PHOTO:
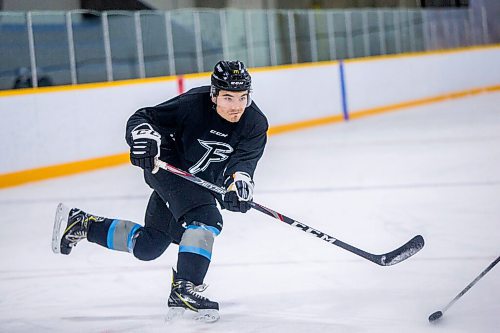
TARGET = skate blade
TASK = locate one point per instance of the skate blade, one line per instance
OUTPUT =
(174, 314)
(207, 316)
(202, 316)
(61, 219)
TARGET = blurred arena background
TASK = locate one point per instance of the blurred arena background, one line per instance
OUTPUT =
(60, 42)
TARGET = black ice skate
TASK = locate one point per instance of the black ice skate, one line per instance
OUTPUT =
(184, 296)
(70, 227)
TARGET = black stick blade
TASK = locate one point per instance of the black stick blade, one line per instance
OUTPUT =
(435, 316)
(404, 252)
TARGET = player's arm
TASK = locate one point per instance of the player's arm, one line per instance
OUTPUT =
(143, 132)
(240, 169)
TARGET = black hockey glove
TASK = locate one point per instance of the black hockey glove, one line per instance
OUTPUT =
(145, 148)
(239, 192)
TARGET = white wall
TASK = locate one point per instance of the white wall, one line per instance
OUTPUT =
(388, 81)
(297, 94)
(57, 127)
(49, 128)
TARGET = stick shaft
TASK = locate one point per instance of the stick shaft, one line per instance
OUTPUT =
(466, 289)
(390, 258)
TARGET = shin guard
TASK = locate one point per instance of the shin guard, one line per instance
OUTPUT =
(121, 235)
(198, 239)
(195, 252)
(114, 234)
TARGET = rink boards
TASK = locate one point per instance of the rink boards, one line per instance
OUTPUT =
(69, 129)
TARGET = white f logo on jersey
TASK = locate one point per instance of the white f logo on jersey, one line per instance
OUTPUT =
(216, 152)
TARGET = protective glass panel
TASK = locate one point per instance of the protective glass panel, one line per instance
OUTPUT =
(447, 38)
(237, 36)
(122, 39)
(184, 42)
(280, 22)
(303, 37)
(404, 31)
(476, 27)
(461, 28)
(257, 37)
(390, 32)
(14, 51)
(436, 30)
(416, 28)
(257, 23)
(89, 47)
(374, 32)
(339, 28)
(322, 38)
(154, 40)
(51, 49)
(456, 19)
(211, 37)
(358, 46)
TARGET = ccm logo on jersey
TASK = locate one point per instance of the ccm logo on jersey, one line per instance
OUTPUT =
(218, 133)
(216, 152)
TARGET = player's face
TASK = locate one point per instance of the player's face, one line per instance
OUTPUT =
(231, 104)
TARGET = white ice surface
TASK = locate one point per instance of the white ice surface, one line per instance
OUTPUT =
(373, 182)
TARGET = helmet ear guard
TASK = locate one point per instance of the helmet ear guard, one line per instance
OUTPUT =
(214, 91)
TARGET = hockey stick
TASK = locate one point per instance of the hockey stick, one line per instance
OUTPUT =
(438, 314)
(387, 259)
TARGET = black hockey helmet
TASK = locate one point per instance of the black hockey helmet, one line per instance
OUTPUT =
(230, 75)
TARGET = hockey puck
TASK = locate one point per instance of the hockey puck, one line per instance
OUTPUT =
(435, 316)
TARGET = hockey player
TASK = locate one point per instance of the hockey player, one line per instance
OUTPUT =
(216, 132)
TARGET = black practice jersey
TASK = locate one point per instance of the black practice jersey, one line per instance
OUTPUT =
(197, 139)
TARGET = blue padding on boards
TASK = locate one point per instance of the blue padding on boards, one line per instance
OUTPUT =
(196, 250)
(343, 91)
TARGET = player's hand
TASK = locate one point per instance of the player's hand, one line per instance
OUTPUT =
(239, 192)
(145, 146)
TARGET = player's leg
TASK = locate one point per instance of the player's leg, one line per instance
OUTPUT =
(146, 243)
(195, 254)
(71, 225)
(198, 222)
(202, 225)
(154, 238)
